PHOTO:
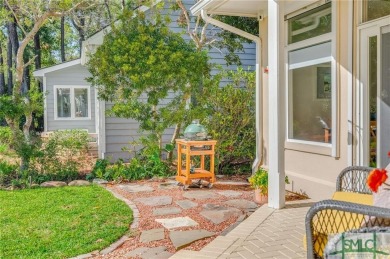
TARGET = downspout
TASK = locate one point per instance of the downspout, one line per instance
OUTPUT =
(259, 118)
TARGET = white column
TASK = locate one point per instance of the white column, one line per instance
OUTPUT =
(276, 185)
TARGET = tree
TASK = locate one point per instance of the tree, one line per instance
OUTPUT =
(142, 62)
(28, 16)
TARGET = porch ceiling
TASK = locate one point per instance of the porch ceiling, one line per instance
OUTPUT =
(247, 8)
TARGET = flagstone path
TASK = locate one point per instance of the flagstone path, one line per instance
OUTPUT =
(169, 218)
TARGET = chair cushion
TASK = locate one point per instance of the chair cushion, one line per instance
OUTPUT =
(365, 199)
(332, 222)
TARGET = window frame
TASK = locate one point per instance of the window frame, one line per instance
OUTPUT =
(72, 98)
(304, 145)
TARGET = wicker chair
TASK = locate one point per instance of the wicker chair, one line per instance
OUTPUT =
(334, 216)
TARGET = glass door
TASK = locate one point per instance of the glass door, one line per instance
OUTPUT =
(375, 94)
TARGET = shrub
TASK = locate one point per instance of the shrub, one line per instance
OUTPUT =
(229, 116)
(8, 173)
(61, 156)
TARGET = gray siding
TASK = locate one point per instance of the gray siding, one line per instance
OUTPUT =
(72, 76)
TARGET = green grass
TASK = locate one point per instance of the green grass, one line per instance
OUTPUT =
(60, 222)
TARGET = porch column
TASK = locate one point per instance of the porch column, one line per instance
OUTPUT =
(276, 124)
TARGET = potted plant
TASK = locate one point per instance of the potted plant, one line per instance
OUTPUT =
(259, 181)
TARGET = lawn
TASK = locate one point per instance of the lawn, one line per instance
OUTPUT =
(60, 222)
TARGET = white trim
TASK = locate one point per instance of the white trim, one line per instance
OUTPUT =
(365, 31)
(44, 104)
(276, 102)
(328, 37)
(350, 160)
(72, 99)
(43, 71)
(102, 129)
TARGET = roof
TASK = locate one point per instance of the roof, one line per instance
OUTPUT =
(41, 72)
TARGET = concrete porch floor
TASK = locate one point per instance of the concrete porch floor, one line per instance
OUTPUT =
(267, 233)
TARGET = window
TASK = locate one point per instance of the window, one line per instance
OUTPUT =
(310, 24)
(72, 102)
(374, 9)
(310, 76)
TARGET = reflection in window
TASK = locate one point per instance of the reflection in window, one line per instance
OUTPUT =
(374, 9)
(310, 24)
(311, 103)
(81, 102)
(72, 102)
(63, 103)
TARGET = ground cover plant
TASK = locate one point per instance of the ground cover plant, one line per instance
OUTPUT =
(60, 222)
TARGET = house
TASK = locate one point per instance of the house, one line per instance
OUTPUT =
(323, 90)
(71, 103)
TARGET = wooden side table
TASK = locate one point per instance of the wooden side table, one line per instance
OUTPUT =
(191, 148)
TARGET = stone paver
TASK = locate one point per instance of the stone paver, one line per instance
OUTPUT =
(241, 204)
(186, 204)
(152, 235)
(166, 211)
(218, 214)
(177, 222)
(99, 181)
(200, 195)
(181, 239)
(146, 253)
(134, 188)
(53, 184)
(155, 201)
(79, 183)
(168, 185)
(230, 194)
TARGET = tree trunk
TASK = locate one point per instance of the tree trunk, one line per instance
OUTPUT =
(9, 64)
(38, 54)
(13, 35)
(80, 29)
(63, 39)
(174, 137)
(108, 9)
(2, 78)
(38, 65)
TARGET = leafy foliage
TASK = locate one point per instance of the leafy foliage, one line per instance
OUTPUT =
(259, 180)
(229, 115)
(60, 157)
(152, 63)
(8, 173)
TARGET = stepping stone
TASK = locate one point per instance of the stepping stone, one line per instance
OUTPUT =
(186, 204)
(166, 211)
(177, 222)
(230, 194)
(241, 204)
(99, 181)
(145, 252)
(218, 214)
(182, 239)
(155, 201)
(168, 185)
(79, 183)
(200, 195)
(136, 188)
(152, 235)
(53, 184)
